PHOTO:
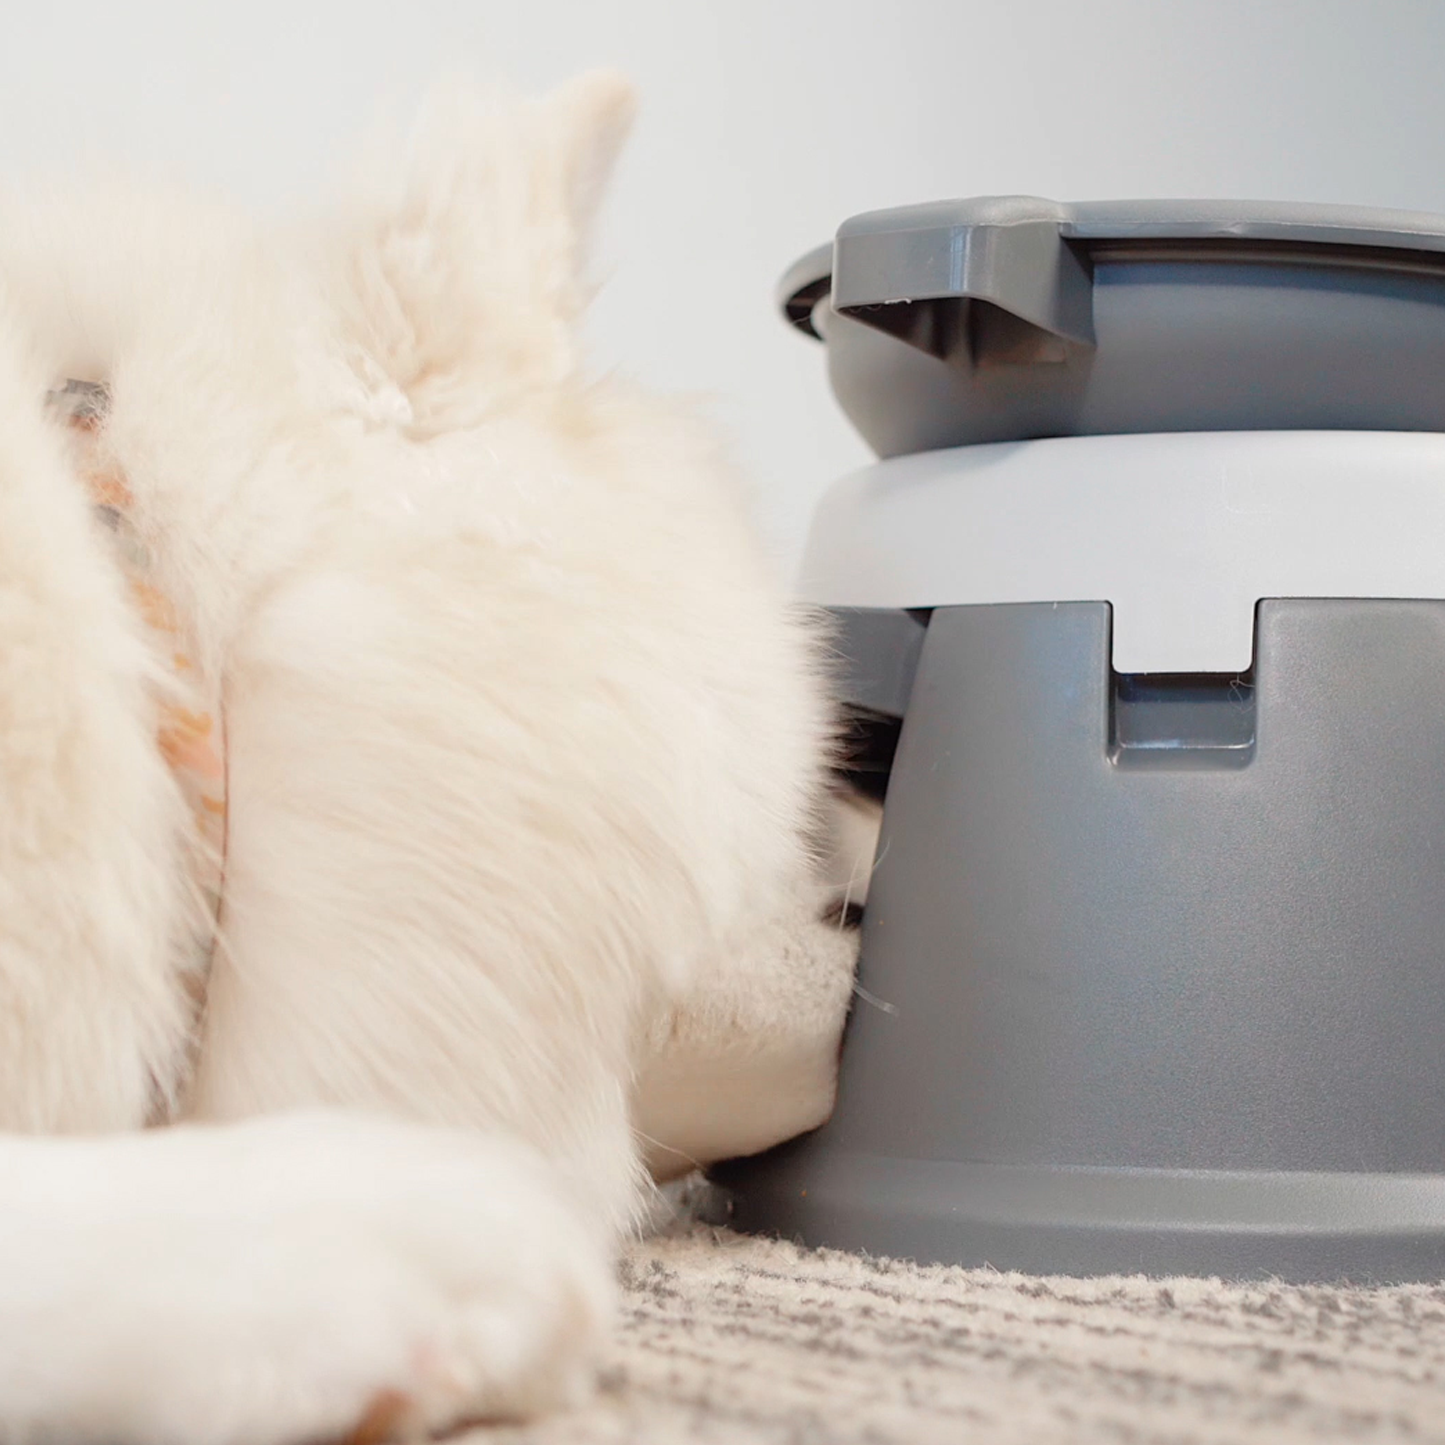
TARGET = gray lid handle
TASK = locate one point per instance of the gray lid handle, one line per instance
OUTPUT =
(1032, 290)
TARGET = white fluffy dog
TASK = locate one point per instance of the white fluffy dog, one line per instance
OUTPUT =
(393, 718)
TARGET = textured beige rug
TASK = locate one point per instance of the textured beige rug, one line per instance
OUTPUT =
(727, 1339)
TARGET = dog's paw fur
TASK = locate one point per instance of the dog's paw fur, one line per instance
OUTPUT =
(310, 1277)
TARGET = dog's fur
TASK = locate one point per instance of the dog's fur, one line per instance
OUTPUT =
(525, 750)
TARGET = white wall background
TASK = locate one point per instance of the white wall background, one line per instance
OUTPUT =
(765, 124)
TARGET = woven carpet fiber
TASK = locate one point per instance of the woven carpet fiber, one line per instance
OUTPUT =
(754, 1342)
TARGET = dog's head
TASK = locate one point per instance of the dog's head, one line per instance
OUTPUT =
(442, 289)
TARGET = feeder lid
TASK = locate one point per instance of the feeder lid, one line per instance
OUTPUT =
(1008, 317)
(927, 246)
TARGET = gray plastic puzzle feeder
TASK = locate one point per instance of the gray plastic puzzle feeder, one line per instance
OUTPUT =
(1143, 625)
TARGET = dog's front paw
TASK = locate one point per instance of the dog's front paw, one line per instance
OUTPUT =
(313, 1277)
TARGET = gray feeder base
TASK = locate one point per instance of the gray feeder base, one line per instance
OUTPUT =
(1153, 969)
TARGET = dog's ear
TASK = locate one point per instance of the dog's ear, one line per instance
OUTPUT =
(461, 271)
(589, 118)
